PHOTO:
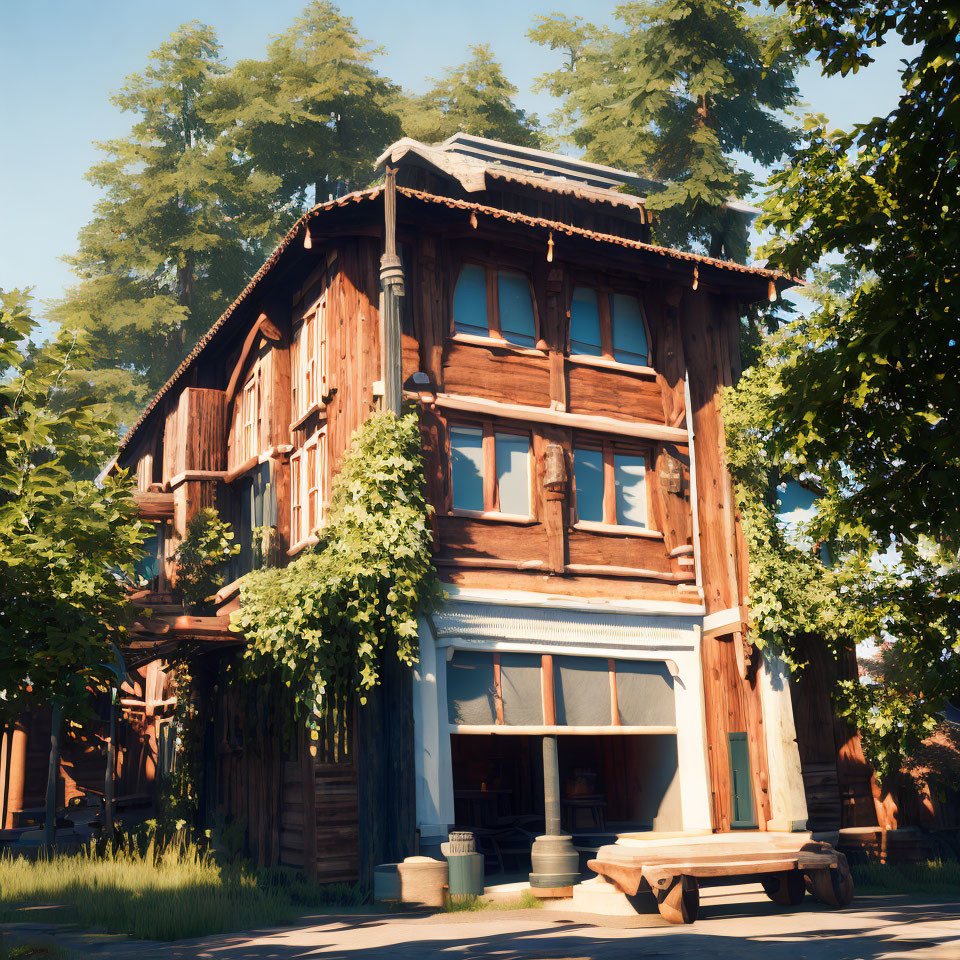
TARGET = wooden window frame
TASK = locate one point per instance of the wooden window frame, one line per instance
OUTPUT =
(605, 293)
(610, 448)
(491, 487)
(309, 496)
(491, 272)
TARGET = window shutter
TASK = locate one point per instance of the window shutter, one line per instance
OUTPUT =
(741, 788)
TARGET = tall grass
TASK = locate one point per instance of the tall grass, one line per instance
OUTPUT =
(934, 877)
(179, 893)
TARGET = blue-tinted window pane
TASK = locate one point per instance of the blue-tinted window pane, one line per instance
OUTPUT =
(629, 332)
(470, 302)
(588, 476)
(516, 309)
(513, 473)
(466, 462)
(628, 474)
(585, 322)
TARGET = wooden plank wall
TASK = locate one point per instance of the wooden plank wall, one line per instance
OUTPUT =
(491, 552)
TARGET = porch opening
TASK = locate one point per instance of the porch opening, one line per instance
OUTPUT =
(609, 784)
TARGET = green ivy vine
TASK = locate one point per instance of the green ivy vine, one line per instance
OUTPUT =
(327, 619)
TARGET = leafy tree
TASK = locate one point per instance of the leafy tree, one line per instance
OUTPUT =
(67, 545)
(314, 113)
(675, 92)
(474, 98)
(202, 555)
(869, 397)
(182, 224)
(322, 624)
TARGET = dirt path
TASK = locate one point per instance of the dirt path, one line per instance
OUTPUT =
(733, 926)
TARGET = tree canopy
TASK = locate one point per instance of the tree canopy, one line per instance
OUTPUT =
(182, 223)
(66, 544)
(475, 97)
(675, 92)
(314, 113)
(859, 396)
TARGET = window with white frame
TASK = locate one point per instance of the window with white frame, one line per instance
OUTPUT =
(308, 488)
(309, 361)
(250, 418)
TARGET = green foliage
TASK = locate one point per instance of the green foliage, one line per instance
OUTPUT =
(313, 113)
(867, 395)
(180, 789)
(875, 385)
(674, 93)
(906, 601)
(67, 546)
(157, 893)
(476, 98)
(329, 617)
(202, 556)
(182, 222)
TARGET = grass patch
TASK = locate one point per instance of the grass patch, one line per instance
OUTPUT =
(931, 877)
(525, 901)
(178, 894)
(30, 951)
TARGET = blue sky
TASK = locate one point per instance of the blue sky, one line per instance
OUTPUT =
(61, 59)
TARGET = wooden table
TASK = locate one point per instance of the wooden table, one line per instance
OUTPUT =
(594, 803)
(670, 867)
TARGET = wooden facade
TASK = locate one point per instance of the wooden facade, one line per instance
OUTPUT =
(257, 420)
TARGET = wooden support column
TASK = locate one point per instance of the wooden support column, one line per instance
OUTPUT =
(731, 704)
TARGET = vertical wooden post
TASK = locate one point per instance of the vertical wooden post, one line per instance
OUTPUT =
(14, 771)
(53, 776)
(309, 795)
(108, 776)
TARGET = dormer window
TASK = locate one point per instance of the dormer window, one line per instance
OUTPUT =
(494, 304)
(611, 325)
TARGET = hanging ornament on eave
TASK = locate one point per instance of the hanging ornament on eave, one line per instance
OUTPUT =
(307, 239)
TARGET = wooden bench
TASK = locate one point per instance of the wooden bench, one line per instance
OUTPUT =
(670, 867)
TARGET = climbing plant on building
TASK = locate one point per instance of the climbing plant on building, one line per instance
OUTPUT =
(202, 557)
(325, 621)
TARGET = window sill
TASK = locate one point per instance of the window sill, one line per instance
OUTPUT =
(494, 515)
(497, 343)
(616, 529)
(302, 545)
(309, 412)
(608, 363)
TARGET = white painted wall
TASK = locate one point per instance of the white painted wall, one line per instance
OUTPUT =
(788, 804)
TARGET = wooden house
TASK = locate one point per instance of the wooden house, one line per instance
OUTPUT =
(568, 375)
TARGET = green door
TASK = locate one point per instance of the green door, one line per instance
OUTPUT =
(741, 790)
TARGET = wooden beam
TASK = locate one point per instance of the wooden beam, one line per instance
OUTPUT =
(559, 418)
(604, 570)
(260, 325)
(497, 689)
(547, 694)
(154, 507)
(553, 729)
